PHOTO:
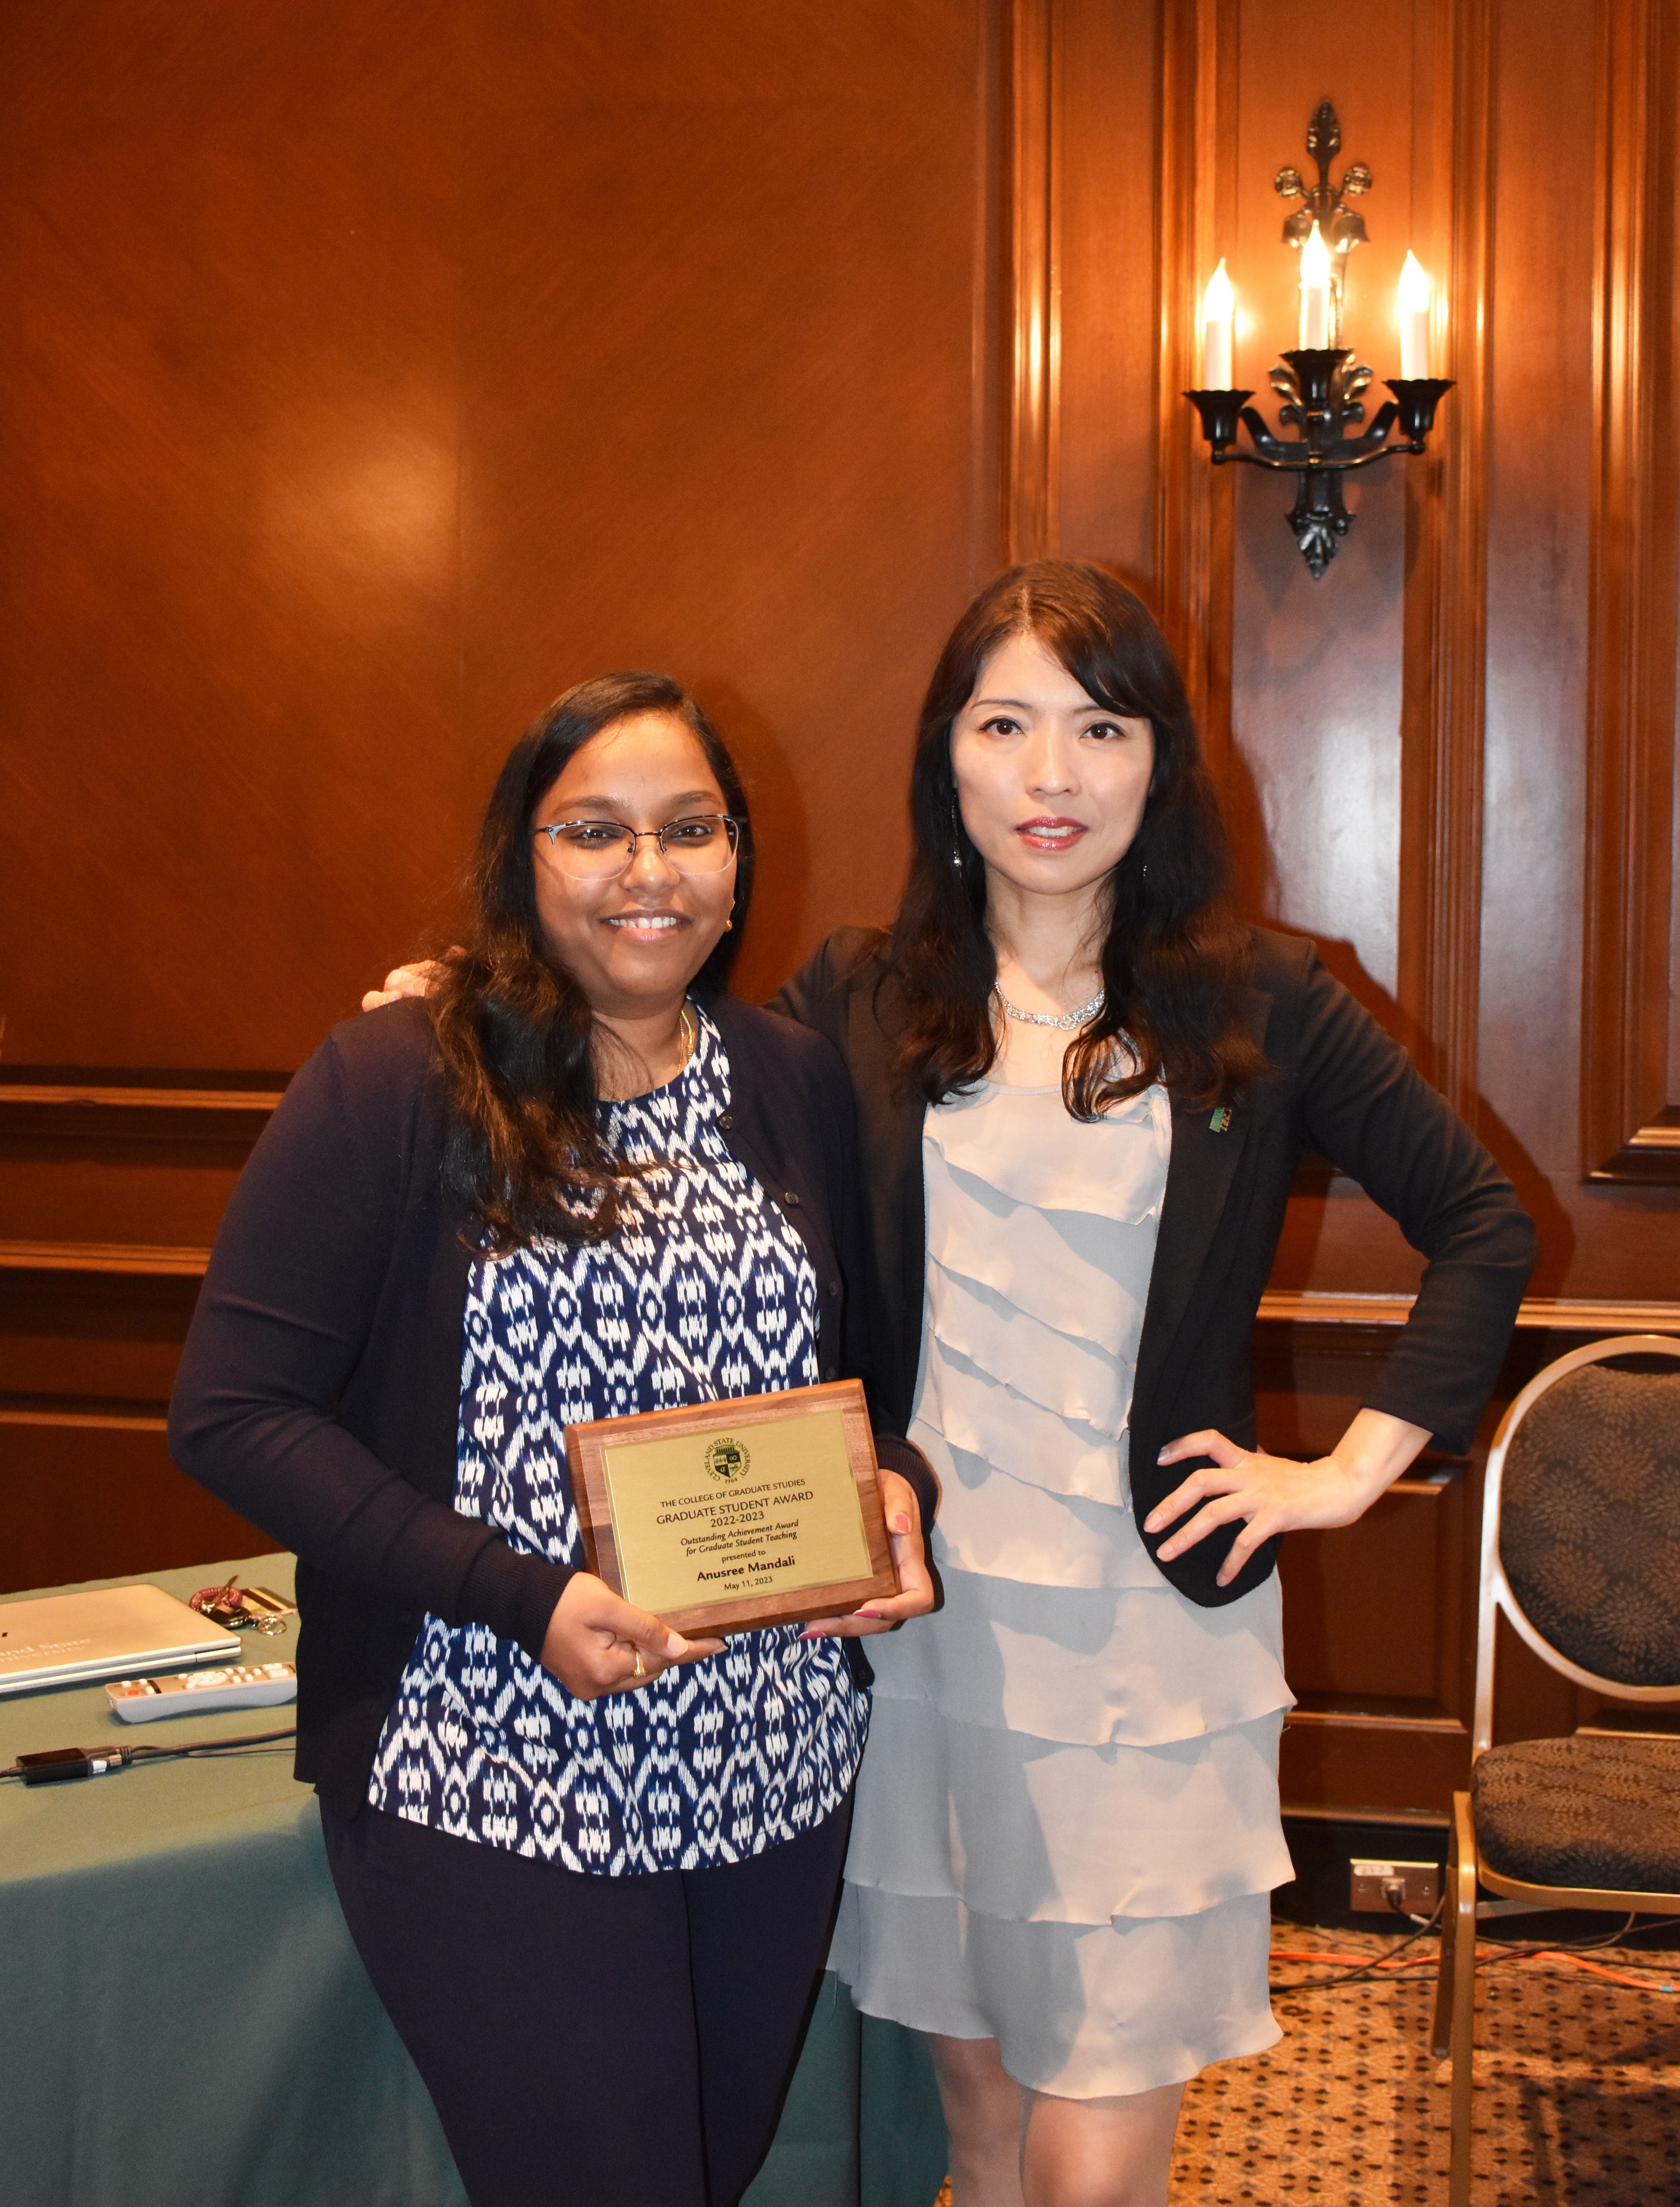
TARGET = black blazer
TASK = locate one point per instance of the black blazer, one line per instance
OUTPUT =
(1342, 1087)
(318, 1392)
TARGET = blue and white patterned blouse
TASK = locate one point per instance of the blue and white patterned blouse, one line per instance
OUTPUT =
(704, 1291)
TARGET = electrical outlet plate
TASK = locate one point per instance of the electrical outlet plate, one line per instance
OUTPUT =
(1392, 1889)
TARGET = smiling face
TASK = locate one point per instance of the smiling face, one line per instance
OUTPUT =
(632, 941)
(1051, 785)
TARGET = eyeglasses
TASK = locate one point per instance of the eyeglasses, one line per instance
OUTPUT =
(595, 850)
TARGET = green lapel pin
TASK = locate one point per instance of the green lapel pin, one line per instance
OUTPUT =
(1221, 1119)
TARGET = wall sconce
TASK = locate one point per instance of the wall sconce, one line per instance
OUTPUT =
(1318, 382)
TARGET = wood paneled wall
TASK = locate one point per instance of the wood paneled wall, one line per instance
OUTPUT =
(382, 370)
(1452, 760)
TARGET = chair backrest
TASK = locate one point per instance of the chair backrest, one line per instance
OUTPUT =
(1581, 1525)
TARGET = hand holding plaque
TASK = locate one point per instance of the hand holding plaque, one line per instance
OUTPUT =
(732, 1516)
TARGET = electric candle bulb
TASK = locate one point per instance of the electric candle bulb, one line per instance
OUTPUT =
(1219, 304)
(1314, 292)
(1413, 320)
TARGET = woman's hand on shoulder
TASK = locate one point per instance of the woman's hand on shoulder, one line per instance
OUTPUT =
(910, 1559)
(598, 1643)
(1275, 1493)
(417, 980)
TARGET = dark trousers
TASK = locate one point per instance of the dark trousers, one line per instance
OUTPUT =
(592, 2042)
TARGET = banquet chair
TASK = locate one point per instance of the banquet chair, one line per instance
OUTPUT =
(1581, 1549)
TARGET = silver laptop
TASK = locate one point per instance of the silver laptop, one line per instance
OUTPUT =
(64, 1639)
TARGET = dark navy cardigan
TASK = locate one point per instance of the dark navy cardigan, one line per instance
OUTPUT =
(318, 1392)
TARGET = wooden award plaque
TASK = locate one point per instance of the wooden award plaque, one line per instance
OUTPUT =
(728, 1516)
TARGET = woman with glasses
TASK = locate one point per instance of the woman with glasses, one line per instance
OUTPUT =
(591, 1867)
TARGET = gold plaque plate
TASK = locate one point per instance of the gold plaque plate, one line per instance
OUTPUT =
(729, 1517)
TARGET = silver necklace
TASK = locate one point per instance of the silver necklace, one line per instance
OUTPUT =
(1065, 1021)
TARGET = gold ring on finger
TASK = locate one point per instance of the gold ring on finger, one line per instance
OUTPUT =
(640, 1670)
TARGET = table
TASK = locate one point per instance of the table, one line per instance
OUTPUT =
(184, 2022)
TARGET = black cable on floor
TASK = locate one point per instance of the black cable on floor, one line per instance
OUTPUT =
(1378, 1962)
(1520, 1949)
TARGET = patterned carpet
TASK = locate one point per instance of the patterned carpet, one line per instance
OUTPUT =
(1576, 2099)
(1576, 2089)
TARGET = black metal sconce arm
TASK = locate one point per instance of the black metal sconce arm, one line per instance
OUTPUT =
(1321, 389)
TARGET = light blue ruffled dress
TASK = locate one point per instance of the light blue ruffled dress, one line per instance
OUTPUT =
(1066, 1828)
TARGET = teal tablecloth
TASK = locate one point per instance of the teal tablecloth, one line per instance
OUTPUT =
(184, 2022)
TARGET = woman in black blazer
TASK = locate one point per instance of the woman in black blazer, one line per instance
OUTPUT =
(1083, 1088)
(1344, 1091)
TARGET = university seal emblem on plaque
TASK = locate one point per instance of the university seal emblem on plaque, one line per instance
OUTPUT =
(726, 1459)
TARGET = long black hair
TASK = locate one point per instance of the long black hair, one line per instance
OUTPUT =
(1176, 955)
(515, 1028)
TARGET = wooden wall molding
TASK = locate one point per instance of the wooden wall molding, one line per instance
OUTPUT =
(1631, 1126)
(1195, 226)
(84, 1421)
(1538, 1313)
(1034, 316)
(108, 1096)
(1648, 1154)
(1303, 1714)
(1443, 705)
(124, 1260)
(121, 1121)
(1278, 1306)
